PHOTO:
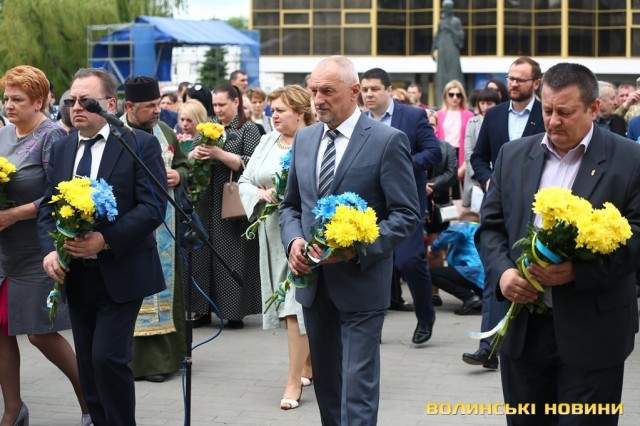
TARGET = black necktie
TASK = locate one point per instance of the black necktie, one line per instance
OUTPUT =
(327, 167)
(84, 166)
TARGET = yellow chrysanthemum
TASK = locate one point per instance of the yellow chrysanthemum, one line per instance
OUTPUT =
(555, 204)
(349, 226)
(66, 211)
(210, 130)
(604, 231)
(77, 193)
(7, 168)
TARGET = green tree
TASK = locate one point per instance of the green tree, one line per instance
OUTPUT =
(52, 34)
(238, 22)
(213, 70)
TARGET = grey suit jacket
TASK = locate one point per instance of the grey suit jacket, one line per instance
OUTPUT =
(376, 165)
(596, 316)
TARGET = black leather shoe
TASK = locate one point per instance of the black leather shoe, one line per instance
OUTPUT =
(481, 357)
(403, 307)
(436, 300)
(157, 378)
(201, 320)
(471, 304)
(235, 324)
(423, 332)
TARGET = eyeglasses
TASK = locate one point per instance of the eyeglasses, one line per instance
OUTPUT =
(70, 102)
(455, 94)
(519, 80)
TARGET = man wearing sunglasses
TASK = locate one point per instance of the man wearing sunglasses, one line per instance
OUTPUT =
(519, 117)
(117, 265)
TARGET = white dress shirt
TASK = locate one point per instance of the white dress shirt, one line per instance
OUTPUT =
(96, 151)
(341, 141)
(560, 171)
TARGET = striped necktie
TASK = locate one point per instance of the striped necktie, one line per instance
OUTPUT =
(328, 164)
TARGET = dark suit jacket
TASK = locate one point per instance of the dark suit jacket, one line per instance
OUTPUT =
(131, 267)
(616, 125)
(596, 316)
(425, 149)
(377, 166)
(494, 133)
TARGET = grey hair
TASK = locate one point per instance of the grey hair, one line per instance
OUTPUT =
(348, 72)
(603, 86)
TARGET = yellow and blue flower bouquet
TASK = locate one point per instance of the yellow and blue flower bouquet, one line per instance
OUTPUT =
(78, 206)
(571, 229)
(343, 222)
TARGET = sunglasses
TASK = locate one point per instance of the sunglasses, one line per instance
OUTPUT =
(455, 95)
(70, 102)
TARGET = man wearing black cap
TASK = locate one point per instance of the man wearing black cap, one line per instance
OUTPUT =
(159, 344)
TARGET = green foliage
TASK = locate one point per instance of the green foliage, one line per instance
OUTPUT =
(213, 70)
(52, 34)
(238, 22)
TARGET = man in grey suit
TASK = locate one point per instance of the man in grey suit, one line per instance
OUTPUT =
(345, 310)
(575, 352)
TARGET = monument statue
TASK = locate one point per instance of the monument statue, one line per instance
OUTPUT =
(446, 49)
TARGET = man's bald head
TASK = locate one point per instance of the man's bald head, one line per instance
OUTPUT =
(335, 87)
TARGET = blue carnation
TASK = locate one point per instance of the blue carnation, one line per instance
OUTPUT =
(104, 200)
(285, 160)
(352, 199)
(325, 208)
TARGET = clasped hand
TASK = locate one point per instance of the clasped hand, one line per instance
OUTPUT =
(298, 262)
(205, 152)
(518, 290)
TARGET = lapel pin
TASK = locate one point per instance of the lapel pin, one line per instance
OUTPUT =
(593, 172)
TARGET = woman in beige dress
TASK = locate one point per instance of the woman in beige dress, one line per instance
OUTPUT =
(291, 107)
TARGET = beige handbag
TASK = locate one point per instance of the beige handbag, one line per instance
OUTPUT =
(231, 205)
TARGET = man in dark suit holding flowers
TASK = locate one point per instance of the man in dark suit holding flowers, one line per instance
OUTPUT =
(115, 266)
(575, 352)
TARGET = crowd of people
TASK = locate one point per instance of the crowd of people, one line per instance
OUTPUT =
(133, 327)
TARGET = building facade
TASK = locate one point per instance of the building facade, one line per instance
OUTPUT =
(397, 35)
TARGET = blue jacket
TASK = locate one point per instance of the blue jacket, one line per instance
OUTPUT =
(634, 129)
(425, 149)
(463, 255)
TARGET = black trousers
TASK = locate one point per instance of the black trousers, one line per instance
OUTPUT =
(447, 278)
(103, 338)
(540, 377)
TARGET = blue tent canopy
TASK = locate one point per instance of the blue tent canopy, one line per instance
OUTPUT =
(144, 47)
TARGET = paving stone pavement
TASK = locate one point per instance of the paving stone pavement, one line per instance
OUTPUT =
(239, 377)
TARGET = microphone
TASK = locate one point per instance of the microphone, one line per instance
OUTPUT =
(94, 107)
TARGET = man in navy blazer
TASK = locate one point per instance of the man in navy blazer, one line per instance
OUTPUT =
(409, 256)
(520, 117)
(115, 266)
(508, 121)
(344, 310)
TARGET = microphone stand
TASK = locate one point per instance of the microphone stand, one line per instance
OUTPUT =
(193, 235)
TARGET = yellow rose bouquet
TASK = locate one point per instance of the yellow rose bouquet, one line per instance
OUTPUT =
(571, 229)
(210, 134)
(78, 206)
(7, 168)
(344, 222)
